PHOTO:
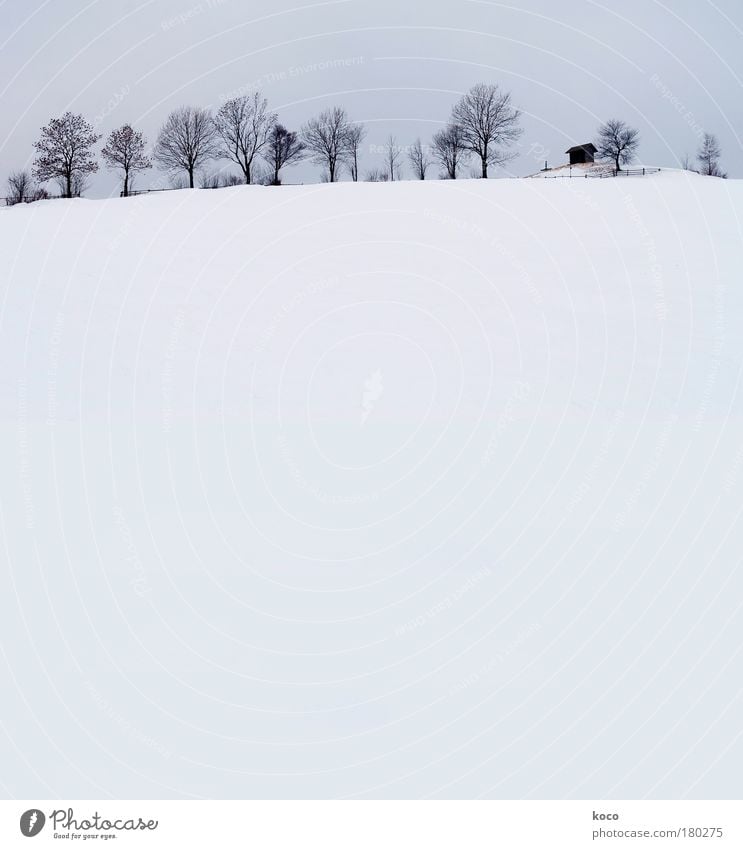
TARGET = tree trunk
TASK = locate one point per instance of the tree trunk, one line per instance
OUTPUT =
(190, 178)
(484, 168)
(68, 177)
(126, 184)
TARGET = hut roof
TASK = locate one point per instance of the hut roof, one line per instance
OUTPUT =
(589, 146)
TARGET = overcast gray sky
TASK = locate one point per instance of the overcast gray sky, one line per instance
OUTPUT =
(673, 68)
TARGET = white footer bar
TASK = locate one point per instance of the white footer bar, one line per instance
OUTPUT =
(373, 824)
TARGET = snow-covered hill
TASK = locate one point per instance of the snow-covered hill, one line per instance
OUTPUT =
(384, 489)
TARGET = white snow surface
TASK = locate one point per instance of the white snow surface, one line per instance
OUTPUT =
(383, 490)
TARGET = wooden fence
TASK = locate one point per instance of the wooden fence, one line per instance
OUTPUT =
(13, 201)
(596, 175)
(600, 175)
(135, 192)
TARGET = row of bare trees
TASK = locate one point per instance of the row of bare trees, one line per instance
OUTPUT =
(483, 126)
(64, 155)
(246, 132)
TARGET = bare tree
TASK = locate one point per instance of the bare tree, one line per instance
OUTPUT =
(617, 141)
(326, 140)
(354, 137)
(708, 156)
(80, 184)
(23, 189)
(186, 141)
(283, 148)
(376, 175)
(686, 163)
(20, 187)
(419, 160)
(231, 180)
(392, 154)
(125, 151)
(489, 124)
(64, 152)
(222, 180)
(244, 125)
(450, 150)
(210, 180)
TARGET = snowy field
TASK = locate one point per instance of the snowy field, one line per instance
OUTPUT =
(374, 490)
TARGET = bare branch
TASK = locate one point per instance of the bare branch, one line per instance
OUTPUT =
(326, 140)
(449, 150)
(708, 156)
(419, 159)
(283, 148)
(392, 156)
(125, 151)
(186, 141)
(64, 153)
(489, 124)
(618, 142)
(244, 125)
(355, 135)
